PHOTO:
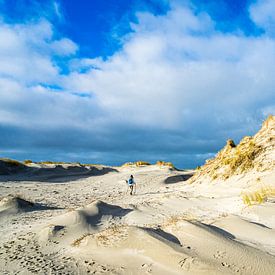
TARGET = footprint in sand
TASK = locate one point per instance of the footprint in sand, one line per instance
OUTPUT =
(194, 263)
(185, 263)
(148, 267)
(219, 254)
(233, 267)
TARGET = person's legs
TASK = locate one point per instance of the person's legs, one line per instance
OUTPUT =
(131, 189)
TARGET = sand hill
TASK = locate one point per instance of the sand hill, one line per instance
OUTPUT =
(252, 154)
(13, 204)
(12, 170)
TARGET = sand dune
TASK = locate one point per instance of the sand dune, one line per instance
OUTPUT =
(253, 233)
(12, 205)
(219, 247)
(11, 170)
(95, 226)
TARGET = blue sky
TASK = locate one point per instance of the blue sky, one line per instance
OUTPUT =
(115, 81)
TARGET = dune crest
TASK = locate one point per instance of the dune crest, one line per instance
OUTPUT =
(251, 154)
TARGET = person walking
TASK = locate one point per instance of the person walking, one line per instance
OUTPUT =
(132, 184)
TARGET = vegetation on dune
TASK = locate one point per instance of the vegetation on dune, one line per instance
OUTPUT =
(145, 163)
(242, 157)
(53, 162)
(79, 240)
(163, 163)
(12, 162)
(102, 238)
(16, 163)
(258, 196)
(137, 163)
(48, 162)
(141, 163)
(252, 153)
(231, 160)
(67, 163)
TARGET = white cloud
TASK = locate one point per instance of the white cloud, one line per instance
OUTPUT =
(64, 47)
(23, 52)
(30, 79)
(57, 10)
(169, 75)
(262, 12)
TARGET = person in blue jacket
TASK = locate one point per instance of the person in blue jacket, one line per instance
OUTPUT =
(131, 184)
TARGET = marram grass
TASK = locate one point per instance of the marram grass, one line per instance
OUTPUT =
(258, 196)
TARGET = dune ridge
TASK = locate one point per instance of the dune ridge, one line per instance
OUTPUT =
(251, 154)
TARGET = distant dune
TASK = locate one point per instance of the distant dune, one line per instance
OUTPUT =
(12, 170)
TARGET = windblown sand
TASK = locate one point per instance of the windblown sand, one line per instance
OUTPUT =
(92, 226)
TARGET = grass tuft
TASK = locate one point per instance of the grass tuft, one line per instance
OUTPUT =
(258, 196)
(163, 163)
(137, 163)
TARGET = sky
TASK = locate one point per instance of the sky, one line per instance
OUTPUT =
(124, 80)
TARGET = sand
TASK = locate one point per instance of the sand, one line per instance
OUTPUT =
(89, 224)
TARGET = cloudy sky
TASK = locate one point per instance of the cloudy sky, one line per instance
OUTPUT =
(123, 80)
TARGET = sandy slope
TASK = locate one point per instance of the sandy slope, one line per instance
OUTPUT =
(90, 225)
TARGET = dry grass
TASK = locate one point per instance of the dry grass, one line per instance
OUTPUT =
(142, 163)
(232, 160)
(78, 241)
(137, 163)
(145, 163)
(251, 153)
(258, 196)
(106, 236)
(163, 163)
(128, 164)
(242, 158)
(53, 162)
(174, 219)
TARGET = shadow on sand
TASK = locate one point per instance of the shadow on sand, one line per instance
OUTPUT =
(13, 205)
(103, 210)
(178, 178)
(165, 235)
(220, 231)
